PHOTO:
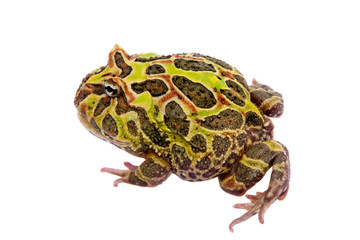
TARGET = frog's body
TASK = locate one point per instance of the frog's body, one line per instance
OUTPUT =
(187, 114)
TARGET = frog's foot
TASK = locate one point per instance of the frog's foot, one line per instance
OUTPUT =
(269, 101)
(259, 203)
(153, 171)
(250, 169)
(123, 174)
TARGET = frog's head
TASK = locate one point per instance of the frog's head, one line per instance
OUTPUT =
(100, 98)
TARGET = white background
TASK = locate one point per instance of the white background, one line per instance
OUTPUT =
(50, 183)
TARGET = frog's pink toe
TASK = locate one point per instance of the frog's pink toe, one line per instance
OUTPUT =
(130, 166)
(117, 181)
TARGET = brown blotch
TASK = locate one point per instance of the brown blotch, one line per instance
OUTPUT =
(151, 169)
(193, 65)
(139, 59)
(102, 104)
(196, 92)
(242, 139)
(203, 164)
(220, 145)
(88, 89)
(210, 173)
(175, 119)
(214, 60)
(109, 125)
(232, 97)
(180, 156)
(150, 129)
(192, 175)
(260, 151)
(155, 69)
(241, 80)
(132, 128)
(236, 87)
(227, 119)
(253, 119)
(156, 87)
(247, 175)
(198, 143)
(120, 63)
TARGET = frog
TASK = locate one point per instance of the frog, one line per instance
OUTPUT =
(191, 115)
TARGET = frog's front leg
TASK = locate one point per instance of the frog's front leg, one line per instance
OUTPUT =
(269, 101)
(152, 172)
(250, 169)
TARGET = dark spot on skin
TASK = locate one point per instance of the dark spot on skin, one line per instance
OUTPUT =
(102, 105)
(151, 169)
(175, 119)
(236, 97)
(180, 156)
(253, 119)
(120, 63)
(214, 60)
(88, 89)
(182, 176)
(247, 175)
(198, 143)
(196, 92)
(260, 151)
(203, 164)
(242, 138)
(192, 175)
(177, 125)
(193, 65)
(156, 87)
(155, 69)
(227, 119)
(211, 172)
(139, 59)
(173, 109)
(241, 80)
(150, 129)
(232, 97)
(236, 87)
(122, 105)
(220, 145)
(132, 128)
(109, 125)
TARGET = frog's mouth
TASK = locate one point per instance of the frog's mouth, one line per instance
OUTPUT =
(92, 129)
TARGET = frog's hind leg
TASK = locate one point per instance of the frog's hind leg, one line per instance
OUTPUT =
(269, 101)
(152, 172)
(250, 169)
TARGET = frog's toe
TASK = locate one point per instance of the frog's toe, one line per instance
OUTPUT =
(252, 208)
(123, 174)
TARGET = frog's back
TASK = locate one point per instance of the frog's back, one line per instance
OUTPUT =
(203, 106)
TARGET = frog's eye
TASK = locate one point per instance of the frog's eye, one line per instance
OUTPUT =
(111, 88)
